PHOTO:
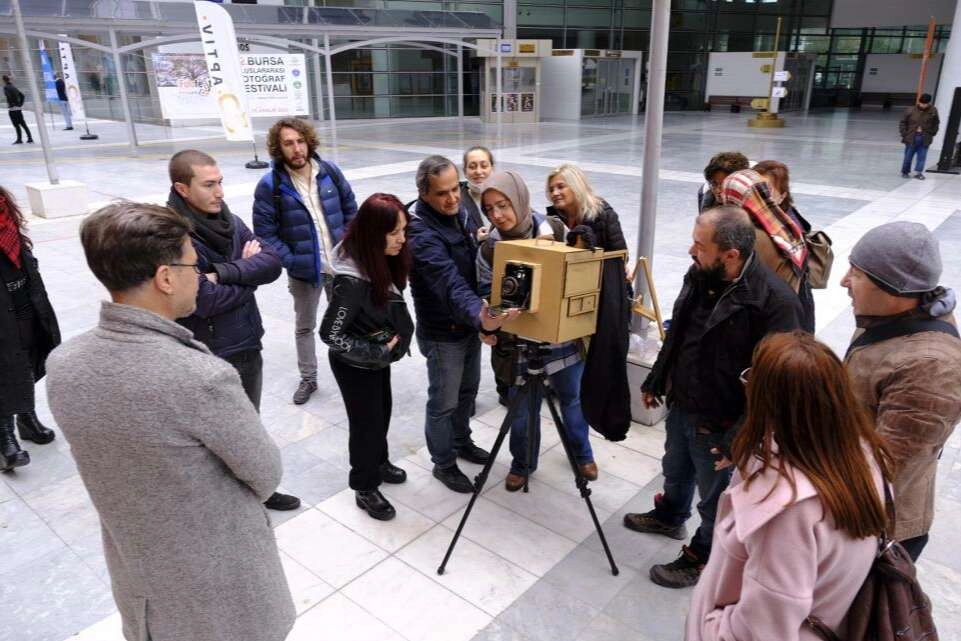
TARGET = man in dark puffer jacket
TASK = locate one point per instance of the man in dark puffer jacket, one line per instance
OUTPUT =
(301, 208)
(231, 263)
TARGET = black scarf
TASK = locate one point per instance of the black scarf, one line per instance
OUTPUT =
(215, 231)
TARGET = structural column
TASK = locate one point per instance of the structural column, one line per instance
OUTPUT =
(330, 83)
(122, 85)
(653, 128)
(510, 19)
(950, 78)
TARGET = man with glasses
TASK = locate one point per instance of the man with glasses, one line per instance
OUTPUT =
(728, 303)
(231, 264)
(720, 167)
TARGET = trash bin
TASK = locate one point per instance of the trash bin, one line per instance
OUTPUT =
(638, 367)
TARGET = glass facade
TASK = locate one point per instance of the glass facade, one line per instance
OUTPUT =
(411, 80)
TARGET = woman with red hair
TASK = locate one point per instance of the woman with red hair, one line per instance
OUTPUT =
(797, 529)
(367, 327)
(28, 332)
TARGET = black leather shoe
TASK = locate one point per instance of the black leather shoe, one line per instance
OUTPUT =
(390, 473)
(473, 454)
(374, 503)
(11, 455)
(454, 479)
(282, 502)
(31, 429)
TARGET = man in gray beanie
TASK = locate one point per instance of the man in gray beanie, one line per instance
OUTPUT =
(905, 361)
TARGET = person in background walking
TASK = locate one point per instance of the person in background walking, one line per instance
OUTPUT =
(918, 127)
(367, 327)
(15, 100)
(28, 331)
(64, 102)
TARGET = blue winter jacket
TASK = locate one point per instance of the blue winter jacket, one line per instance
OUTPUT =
(227, 319)
(443, 279)
(292, 232)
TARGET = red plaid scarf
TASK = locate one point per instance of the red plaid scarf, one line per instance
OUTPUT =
(746, 189)
(9, 234)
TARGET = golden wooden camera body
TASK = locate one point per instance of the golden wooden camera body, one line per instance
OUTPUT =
(565, 288)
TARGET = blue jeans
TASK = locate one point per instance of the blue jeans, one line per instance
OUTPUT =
(67, 115)
(453, 376)
(687, 463)
(918, 147)
(567, 385)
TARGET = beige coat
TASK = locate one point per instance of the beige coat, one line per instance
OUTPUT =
(177, 464)
(911, 386)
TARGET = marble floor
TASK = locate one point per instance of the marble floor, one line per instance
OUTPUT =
(528, 567)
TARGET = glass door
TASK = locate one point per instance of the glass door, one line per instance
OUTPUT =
(589, 87)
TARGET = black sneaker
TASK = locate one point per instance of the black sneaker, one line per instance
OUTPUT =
(473, 454)
(683, 572)
(282, 502)
(304, 390)
(390, 473)
(919, 176)
(454, 479)
(650, 524)
(904, 174)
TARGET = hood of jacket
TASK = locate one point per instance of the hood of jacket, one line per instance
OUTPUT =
(343, 263)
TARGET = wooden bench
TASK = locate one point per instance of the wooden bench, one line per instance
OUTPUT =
(734, 103)
(884, 100)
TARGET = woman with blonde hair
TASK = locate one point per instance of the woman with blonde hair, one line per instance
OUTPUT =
(574, 203)
(575, 206)
(797, 529)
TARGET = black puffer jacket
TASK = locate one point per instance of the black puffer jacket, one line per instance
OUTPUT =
(756, 304)
(354, 328)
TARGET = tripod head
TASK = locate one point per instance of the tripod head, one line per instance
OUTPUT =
(534, 352)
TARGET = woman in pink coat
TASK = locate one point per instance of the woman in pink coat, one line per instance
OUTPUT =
(797, 529)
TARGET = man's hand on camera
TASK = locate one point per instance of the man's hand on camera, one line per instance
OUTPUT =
(651, 401)
(490, 323)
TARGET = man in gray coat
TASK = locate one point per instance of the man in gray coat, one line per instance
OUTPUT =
(168, 445)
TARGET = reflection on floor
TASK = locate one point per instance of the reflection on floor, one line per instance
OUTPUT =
(529, 566)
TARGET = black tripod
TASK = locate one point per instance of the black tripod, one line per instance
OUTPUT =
(535, 379)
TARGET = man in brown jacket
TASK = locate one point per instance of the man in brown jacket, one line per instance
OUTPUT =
(905, 361)
(918, 127)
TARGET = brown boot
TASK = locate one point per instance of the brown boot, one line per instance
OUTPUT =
(514, 482)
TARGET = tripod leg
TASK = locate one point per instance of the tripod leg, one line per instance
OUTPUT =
(533, 409)
(579, 479)
(481, 479)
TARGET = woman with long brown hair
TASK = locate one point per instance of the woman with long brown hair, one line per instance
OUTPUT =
(796, 531)
(366, 328)
(28, 332)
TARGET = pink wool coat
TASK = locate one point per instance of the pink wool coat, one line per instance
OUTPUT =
(774, 562)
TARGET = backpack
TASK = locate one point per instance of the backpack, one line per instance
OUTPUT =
(890, 606)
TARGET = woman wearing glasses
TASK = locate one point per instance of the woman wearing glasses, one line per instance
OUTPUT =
(506, 202)
(366, 328)
(797, 528)
(28, 332)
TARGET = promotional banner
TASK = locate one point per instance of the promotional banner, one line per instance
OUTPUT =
(223, 69)
(49, 82)
(70, 80)
(274, 85)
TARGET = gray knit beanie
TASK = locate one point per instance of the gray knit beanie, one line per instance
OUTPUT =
(902, 258)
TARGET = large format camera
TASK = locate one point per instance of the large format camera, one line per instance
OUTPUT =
(557, 286)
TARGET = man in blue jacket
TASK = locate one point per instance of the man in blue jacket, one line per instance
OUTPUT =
(231, 264)
(450, 313)
(301, 209)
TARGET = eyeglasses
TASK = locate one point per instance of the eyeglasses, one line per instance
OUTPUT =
(196, 266)
(745, 376)
(503, 205)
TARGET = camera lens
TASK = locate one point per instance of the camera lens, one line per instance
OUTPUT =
(509, 286)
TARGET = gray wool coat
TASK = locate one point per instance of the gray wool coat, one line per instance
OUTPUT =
(177, 463)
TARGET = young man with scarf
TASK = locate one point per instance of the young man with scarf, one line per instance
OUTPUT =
(231, 264)
(729, 301)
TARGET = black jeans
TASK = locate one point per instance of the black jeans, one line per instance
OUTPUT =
(367, 398)
(250, 365)
(914, 546)
(16, 117)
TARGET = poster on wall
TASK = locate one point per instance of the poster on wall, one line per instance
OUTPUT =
(527, 102)
(512, 104)
(274, 84)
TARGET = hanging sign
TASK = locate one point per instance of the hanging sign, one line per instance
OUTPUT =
(223, 68)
